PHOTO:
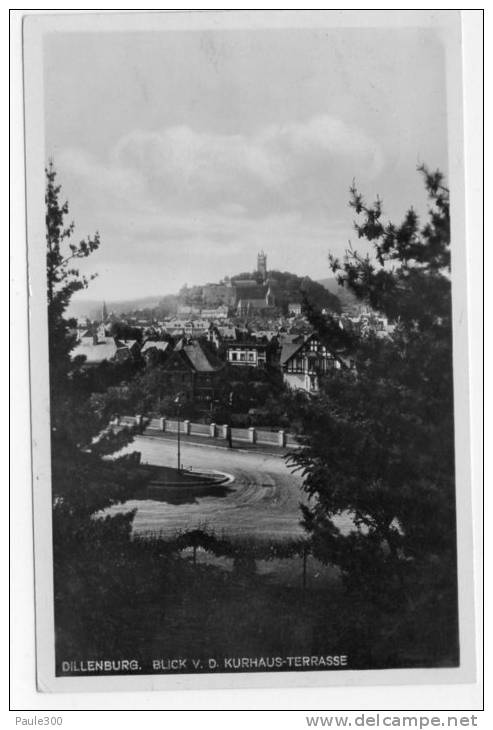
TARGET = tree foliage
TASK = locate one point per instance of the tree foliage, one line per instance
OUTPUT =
(82, 483)
(63, 279)
(380, 436)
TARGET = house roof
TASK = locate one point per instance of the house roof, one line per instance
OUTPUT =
(247, 346)
(226, 331)
(177, 361)
(289, 337)
(291, 344)
(290, 347)
(201, 361)
(288, 350)
(94, 354)
(106, 348)
(155, 345)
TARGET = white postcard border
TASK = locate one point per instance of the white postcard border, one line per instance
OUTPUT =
(35, 27)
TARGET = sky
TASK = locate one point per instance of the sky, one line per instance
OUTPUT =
(189, 151)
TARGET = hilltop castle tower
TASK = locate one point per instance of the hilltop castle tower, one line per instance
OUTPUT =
(262, 264)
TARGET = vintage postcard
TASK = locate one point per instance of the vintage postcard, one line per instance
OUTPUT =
(249, 382)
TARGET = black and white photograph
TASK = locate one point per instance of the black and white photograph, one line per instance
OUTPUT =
(246, 255)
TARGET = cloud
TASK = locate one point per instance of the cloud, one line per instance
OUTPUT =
(276, 167)
(322, 135)
(284, 167)
(196, 203)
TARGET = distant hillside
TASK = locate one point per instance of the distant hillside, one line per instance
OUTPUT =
(292, 288)
(92, 308)
(347, 298)
(288, 288)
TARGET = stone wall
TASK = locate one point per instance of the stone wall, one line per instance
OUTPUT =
(220, 432)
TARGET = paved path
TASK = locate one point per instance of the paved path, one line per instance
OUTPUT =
(263, 500)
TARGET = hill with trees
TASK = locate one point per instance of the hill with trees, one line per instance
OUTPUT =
(286, 287)
(290, 288)
(92, 307)
(347, 298)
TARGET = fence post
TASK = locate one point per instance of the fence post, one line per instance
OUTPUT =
(226, 431)
(252, 435)
(281, 438)
(162, 424)
(186, 427)
(212, 429)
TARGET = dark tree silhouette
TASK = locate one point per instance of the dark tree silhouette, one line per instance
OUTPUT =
(380, 436)
(82, 483)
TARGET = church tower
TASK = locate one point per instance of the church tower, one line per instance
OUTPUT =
(262, 264)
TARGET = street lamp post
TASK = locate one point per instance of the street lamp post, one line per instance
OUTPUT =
(178, 441)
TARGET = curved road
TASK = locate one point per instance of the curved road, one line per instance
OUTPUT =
(262, 501)
(263, 498)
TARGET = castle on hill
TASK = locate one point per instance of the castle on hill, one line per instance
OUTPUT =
(244, 295)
